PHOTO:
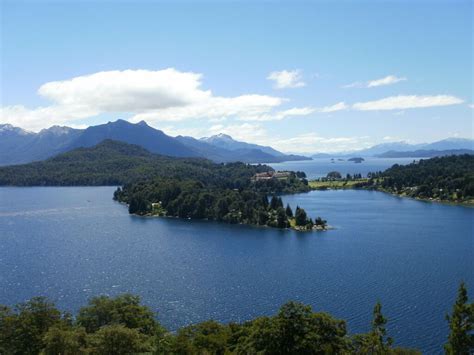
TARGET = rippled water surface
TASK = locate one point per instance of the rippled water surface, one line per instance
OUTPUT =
(74, 243)
(319, 167)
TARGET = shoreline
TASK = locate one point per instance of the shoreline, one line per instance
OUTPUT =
(338, 185)
(296, 229)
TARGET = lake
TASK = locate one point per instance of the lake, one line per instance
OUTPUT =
(72, 243)
(319, 167)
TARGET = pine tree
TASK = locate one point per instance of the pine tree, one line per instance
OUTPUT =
(301, 219)
(461, 325)
(378, 327)
(289, 212)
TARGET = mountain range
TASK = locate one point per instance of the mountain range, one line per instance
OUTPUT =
(18, 146)
(401, 149)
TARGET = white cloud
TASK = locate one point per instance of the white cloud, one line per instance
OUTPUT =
(471, 105)
(388, 80)
(128, 90)
(337, 107)
(286, 79)
(154, 96)
(402, 102)
(280, 115)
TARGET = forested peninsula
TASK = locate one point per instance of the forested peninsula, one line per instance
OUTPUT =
(156, 185)
(443, 179)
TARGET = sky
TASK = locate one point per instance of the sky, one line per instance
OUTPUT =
(301, 76)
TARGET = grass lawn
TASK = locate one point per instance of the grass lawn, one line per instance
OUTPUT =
(337, 184)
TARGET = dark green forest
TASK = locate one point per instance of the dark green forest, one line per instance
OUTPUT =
(232, 198)
(122, 325)
(449, 178)
(113, 163)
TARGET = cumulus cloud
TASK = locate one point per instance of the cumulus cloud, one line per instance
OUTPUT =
(154, 96)
(287, 79)
(388, 80)
(402, 102)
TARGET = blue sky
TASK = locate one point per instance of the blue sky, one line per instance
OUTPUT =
(304, 76)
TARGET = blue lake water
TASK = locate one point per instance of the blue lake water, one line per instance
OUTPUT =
(319, 167)
(74, 243)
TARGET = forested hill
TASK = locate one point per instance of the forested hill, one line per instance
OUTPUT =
(117, 163)
(449, 178)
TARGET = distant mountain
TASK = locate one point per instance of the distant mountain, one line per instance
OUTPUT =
(451, 143)
(423, 153)
(404, 149)
(18, 146)
(252, 151)
(385, 147)
(141, 134)
(227, 142)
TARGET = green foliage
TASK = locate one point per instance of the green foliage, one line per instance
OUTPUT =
(449, 178)
(461, 325)
(23, 328)
(300, 216)
(230, 198)
(122, 325)
(117, 339)
(124, 309)
(65, 340)
(116, 163)
(334, 175)
(204, 338)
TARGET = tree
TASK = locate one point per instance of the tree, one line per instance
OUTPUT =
(124, 309)
(276, 202)
(288, 211)
(301, 219)
(65, 340)
(378, 327)
(282, 219)
(461, 325)
(320, 222)
(22, 329)
(332, 175)
(296, 329)
(208, 337)
(119, 340)
(376, 341)
(262, 217)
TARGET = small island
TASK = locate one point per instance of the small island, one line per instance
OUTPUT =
(356, 160)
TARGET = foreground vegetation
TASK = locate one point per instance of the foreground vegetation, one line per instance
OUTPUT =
(122, 325)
